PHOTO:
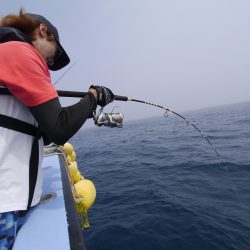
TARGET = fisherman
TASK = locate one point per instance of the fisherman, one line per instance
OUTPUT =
(32, 114)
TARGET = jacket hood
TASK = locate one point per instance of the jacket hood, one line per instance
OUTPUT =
(8, 34)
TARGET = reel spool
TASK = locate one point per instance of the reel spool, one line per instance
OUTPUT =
(112, 120)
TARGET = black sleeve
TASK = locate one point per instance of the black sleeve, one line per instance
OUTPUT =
(59, 123)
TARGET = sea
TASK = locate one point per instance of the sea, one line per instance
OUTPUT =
(161, 186)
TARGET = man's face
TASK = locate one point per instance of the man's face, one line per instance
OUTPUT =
(45, 44)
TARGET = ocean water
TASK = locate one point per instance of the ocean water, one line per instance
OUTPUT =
(160, 185)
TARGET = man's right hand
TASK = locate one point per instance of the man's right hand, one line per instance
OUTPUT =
(103, 95)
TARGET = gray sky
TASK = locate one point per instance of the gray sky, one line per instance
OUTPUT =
(182, 54)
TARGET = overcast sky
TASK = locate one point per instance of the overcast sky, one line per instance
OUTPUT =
(182, 54)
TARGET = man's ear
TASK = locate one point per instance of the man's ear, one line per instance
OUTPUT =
(43, 30)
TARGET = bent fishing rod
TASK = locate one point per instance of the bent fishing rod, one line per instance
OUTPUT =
(64, 93)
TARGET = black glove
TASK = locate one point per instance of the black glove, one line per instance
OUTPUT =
(104, 95)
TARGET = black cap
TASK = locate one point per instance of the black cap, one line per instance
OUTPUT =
(61, 59)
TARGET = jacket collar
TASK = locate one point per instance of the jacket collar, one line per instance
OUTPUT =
(8, 34)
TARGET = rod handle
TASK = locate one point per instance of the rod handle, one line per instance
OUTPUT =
(65, 93)
(121, 98)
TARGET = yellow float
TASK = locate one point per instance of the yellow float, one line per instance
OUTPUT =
(84, 191)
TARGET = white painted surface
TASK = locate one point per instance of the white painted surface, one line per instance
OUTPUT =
(46, 224)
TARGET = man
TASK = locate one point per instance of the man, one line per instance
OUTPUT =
(29, 47)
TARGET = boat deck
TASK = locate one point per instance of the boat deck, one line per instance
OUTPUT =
(51, 225)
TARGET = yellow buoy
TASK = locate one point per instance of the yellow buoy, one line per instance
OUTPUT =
(68, 148)
(73, 155)
(69, 159)
(73, 169)
(77, 177)
(86, 189)
(75, 163)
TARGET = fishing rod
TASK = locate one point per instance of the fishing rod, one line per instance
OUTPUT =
(116, 119)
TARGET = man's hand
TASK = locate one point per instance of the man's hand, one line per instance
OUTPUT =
(103, 95)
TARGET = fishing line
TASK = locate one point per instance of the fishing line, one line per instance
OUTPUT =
(63, 74)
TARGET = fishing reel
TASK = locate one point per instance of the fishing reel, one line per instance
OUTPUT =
(112, 120)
